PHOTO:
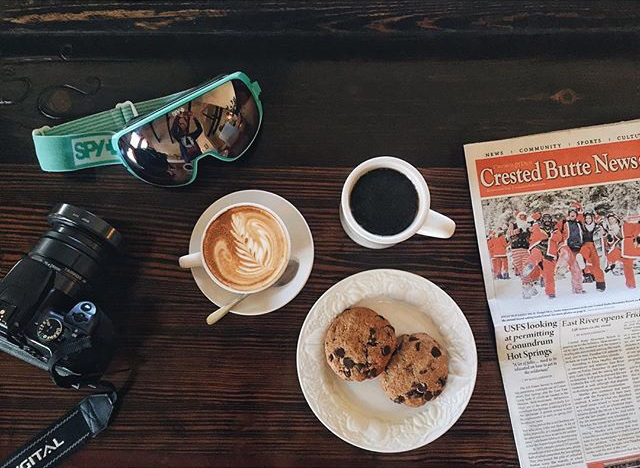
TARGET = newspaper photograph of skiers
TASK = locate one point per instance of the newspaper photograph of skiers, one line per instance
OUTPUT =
(564, 243)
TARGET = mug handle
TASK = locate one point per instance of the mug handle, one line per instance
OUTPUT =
(190, 261)
(437, 225)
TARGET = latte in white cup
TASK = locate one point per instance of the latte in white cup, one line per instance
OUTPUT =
(244, 249)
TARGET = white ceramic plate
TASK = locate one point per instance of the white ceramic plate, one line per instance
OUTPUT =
(301, 250)
(360, 412)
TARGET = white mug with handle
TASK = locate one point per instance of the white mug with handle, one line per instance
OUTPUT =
(426, 222)
(196, 260)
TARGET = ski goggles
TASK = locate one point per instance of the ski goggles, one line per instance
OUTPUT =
(160, 141)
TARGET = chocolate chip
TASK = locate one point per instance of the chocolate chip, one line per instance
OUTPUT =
(428, 396)
(386, 350)
(424, 371)
(413, 338)
(347, 373)
(437, 392)
(435, 352)
(421, 388)
(360, 366)
(413, 394)
(372, 337)
(373, 372)
(348, 363)
(398, 399)
(339, 352)
(330, 357)
(418, 346)
(442, 381)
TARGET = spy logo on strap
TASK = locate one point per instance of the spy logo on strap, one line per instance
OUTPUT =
(89, 150)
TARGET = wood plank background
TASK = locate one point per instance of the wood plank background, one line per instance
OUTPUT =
(341, 82)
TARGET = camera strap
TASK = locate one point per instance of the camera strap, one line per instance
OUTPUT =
(67, 434)
(61, 354)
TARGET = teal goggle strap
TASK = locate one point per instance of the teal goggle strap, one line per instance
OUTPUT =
(86, 142)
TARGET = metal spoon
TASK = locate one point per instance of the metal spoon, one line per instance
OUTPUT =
(287, 276)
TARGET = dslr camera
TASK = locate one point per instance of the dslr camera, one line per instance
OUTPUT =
(47, 317)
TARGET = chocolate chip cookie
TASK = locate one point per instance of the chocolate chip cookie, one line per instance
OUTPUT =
(359, 344)
(417, 371)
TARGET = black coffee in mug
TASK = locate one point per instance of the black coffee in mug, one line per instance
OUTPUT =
(384, 202)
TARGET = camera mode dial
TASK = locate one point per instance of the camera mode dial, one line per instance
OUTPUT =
(49, 329)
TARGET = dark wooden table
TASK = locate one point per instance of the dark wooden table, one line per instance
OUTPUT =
(341, 82)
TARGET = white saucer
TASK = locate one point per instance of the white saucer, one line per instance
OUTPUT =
(301, 249)
(360, 412)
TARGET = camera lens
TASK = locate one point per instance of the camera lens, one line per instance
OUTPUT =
(79, 245)
(69, 215)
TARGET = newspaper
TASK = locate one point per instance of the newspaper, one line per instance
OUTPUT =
(557, 217)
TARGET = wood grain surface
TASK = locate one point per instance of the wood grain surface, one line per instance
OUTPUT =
(330, 28)
(342, 81)
(229, 394)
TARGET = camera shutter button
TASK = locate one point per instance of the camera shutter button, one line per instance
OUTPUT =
(79, 317)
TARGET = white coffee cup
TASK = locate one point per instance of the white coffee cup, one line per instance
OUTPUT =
(427, 222)
(196, 259)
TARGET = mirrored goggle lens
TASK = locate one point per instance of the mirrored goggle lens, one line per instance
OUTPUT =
(223, 121)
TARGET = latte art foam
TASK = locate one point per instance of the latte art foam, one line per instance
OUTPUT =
(246, 248)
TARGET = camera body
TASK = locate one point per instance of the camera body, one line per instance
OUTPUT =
(47, 317)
